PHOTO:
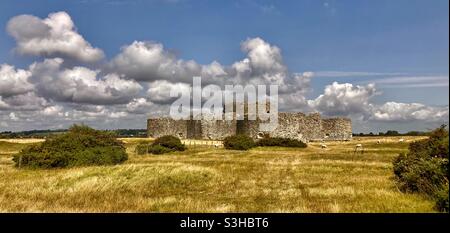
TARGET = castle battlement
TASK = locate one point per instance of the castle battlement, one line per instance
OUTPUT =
(295, 125)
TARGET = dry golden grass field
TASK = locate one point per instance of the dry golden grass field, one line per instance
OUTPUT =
(208, 179)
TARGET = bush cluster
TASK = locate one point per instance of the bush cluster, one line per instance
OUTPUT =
(238, 142)
(158, 149)
(424, 169)
(285, 142)
(80, 146)
(170, 142)
(161, 145)
(243, 142)
(142, 148)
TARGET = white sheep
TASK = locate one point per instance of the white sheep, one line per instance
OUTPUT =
(360, 148)
(323, 146)
(401, 140)
(378, 141)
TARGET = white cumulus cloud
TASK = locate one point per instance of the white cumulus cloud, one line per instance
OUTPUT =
(148, 61)
(159, 91)
(55, 35)
(344, 99)
(139, 106)
(393, 111)
(81, 84)
(3, 105)
(26, 102)
(14, 81)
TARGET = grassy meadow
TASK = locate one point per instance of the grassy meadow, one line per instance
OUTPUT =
(207, 179)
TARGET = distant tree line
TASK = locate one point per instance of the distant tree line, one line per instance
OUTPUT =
(130, 132)
(31, 133)
(49, 133)
(393, 133)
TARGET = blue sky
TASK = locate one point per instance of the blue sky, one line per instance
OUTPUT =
(346, 41)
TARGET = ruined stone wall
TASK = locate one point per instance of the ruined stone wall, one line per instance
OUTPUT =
(290, 125)
(217, 129)
(248, 127)
(194, 129)
(299, 126)
(337, 129)
(312, 127)
(167, 126)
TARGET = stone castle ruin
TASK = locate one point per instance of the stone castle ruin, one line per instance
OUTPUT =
(296, 125)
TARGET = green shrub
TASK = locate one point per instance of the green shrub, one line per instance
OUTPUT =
(161, 145)
(285, 142)
(158, 149)
(142, 148)
(442, 199)
(80, 146)
(170, 142)
(238, 142)
(424, 169)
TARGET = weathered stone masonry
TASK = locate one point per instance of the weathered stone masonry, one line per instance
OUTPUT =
(290, 125)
